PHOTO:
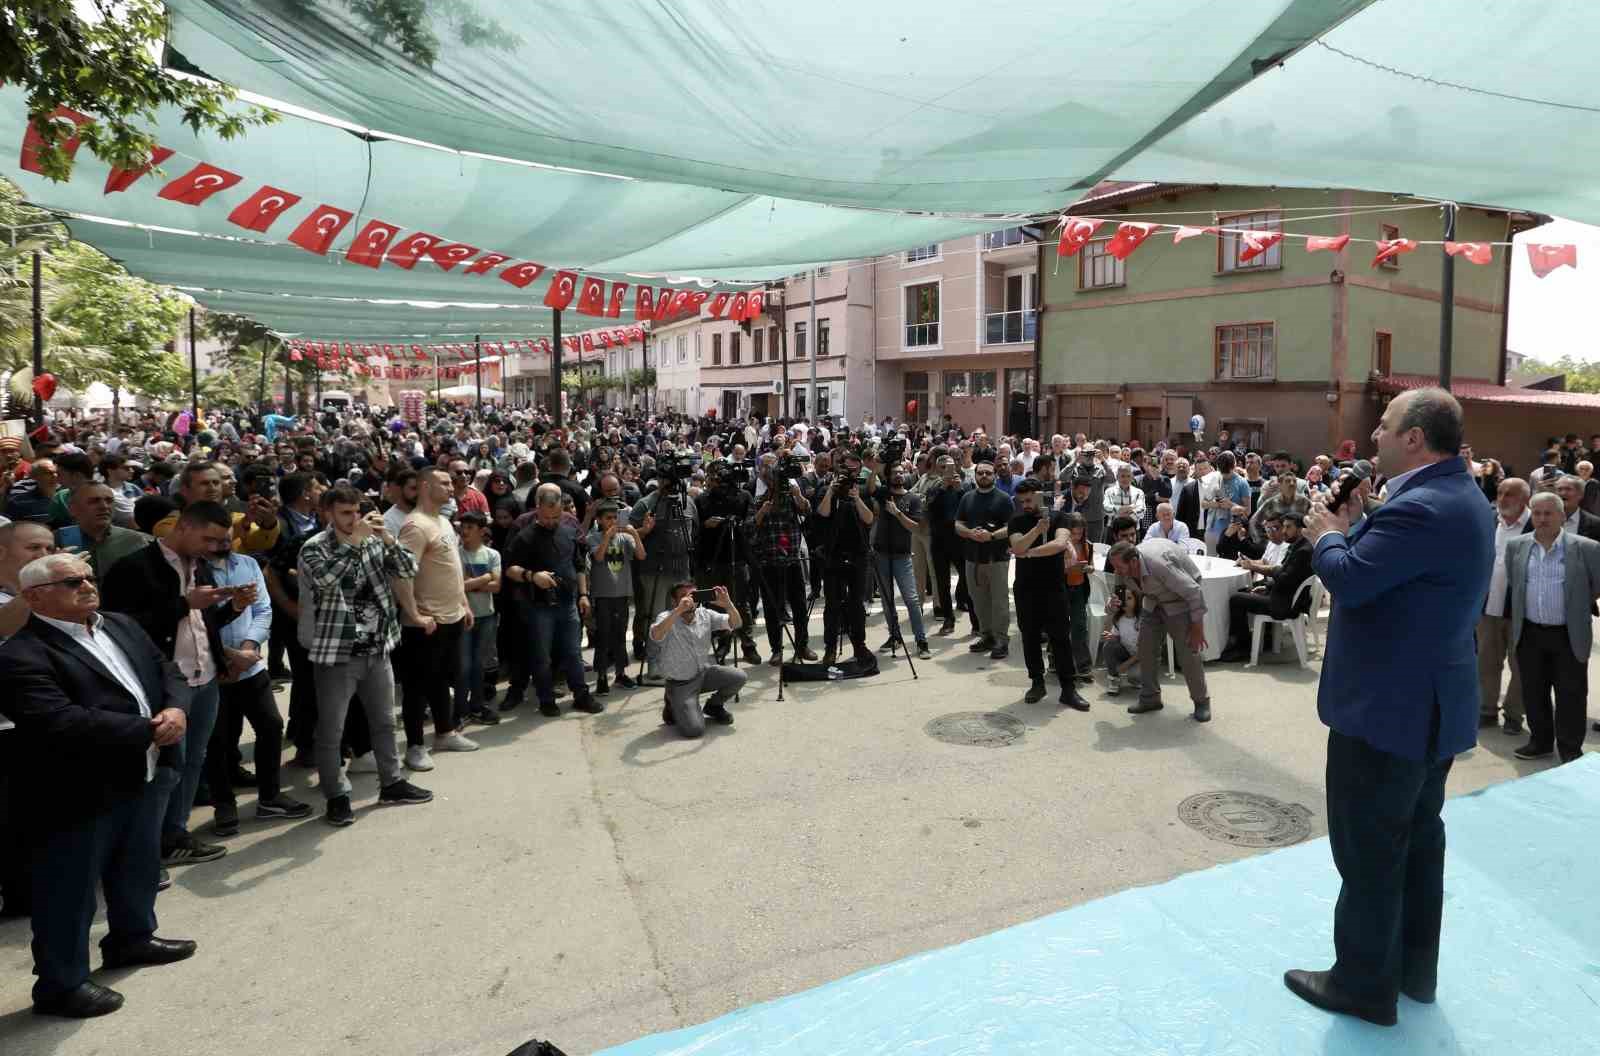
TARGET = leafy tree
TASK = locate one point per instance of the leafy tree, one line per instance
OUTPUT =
(1582, 376)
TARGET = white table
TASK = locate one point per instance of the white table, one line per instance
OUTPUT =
(1218, 580)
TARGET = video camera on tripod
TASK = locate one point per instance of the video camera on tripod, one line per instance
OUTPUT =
(892, 451)
(677, 466)
(789, 467)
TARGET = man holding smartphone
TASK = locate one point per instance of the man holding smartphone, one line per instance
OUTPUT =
(683, 636)
(1039, 538)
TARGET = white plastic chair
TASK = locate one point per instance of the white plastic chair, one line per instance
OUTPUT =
(1314, 613)
(1297, 627)
(1195, 546)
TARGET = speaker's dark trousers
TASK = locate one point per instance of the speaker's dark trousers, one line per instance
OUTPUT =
(1544, 656)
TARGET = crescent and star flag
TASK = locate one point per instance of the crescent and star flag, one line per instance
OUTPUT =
(588, 342)
(1388, 250)
(1475, 252)
(198, 184)
(487, 262)
(614, 303)
(1330, 243)
(448, 256)
(406, 252)
(1128, 238)
(122, 179)
(752, 307)
(1545, 259)
(1075, 234)
(260, 210)
(520, 275)
(719, 304)
(317, 231)
(735, 310)
(1257, 243)
(562, 289)
(1184, 231)
(369, 246)
(32, 141)
(592, 301)
(644, 302)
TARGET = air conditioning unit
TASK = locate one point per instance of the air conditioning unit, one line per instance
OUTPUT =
(777, 387)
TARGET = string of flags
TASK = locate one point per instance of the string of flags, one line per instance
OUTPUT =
(368, 359)
(379, 243)
(1077, 231)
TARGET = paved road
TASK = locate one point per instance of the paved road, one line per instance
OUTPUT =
(592, 879)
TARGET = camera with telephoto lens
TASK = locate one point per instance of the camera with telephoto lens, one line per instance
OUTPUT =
(843, 482)
(677, 466)
(893, 451)
(735, 474)
(789, 467)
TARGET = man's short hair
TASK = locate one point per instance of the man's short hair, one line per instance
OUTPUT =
(682, 583)
(340, 495)
(150, 511)
(200, 514)
(293, 486)
(1298, 520)
(1226, 462)
(1438, 415)
(606, 506)
(191, 469)
(1121, 523)
(557, 460)
(473, 517)
(77, 464)
(42, 570)
(1121, 552)
(1027, 486)
(1548, 496)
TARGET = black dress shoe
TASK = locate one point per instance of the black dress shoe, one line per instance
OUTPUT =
(86, 1002)
(1071, 698)
(1000, 652)
(1318, 988)
(1533, 751)
(150, 951)
(983, 644)
(1035, 692)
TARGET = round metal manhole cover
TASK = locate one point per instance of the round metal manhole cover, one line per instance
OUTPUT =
(1245, 819)
(984, 729)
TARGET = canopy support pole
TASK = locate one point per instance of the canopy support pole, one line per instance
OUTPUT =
(38, 340)
(1447, 300)
(811, 335)
(477, 347)
(261, 386)
(555, 367)
(194, 376)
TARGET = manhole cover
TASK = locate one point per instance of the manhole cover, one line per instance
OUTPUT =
(1245, 819)
(986, 729)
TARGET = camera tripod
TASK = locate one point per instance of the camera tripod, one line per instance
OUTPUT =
(671, 519)
(778, 602)
(869, 555)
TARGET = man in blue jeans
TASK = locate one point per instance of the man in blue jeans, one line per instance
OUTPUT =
(544, 564)
(891, 544)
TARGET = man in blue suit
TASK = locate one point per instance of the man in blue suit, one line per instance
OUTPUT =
(1399, 697)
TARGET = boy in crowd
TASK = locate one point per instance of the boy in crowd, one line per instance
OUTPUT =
(613, 549)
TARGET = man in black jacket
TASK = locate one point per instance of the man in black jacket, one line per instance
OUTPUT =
(169, 591)
(100, 714)
(1275, 596)
(1186, 494)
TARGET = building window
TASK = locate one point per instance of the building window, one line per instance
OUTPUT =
(1230, 245)
(917, 389)
(1389, 233)
(1252, 430)
(697, 346)
(757, 339)
(1011, 236)
(800, 340)
(774, 349)
(922, 254)
(822, 401)
(1246, 352)
(822, 338)
(733, 348)
(799, 401)
(683, 348)
(824, 271)
(922, 315)
(1382, 349)
(716, 350)
(1099, 270)
(968, 383)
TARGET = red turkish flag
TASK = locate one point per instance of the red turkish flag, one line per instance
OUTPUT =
(122, 179)
(32, 141)
(620, 336)
(753, 306)
(294, 354)
(486, 263)
(1184, 231)
(588, 342)
(1476, 252)
(1388, 250)
(696, 299)
(1545, 259)
(614, 302)
(448, 256)
(605, 338)
(736, 310)
(520, 275)
(1128, 238)
(317, 231)
(592, 301)
(562, 289)
(719, 304)
(198, 184)
(260, 210)
(664, 300)
(1257, 243)
(416, 350)
(1075, 232)
(644, 302)
(545, 346)
(407, 251)
(368, 247)
(1330, 243)
(635, 333)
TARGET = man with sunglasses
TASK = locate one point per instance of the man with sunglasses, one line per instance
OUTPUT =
(100, 715)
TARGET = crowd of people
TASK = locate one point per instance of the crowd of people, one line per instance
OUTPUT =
(154, 586)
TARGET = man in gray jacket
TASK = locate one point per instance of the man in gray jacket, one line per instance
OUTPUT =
(1169, 580)
(1554, 576)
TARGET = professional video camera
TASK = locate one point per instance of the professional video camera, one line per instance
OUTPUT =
(735, 474)
(677, 466)
(892, 451)
(843, 482)
(789, 467)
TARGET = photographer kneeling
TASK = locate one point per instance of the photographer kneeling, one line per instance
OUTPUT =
(683, 637)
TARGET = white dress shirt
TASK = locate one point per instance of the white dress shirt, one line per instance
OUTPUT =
(1495, 603)
(98, 643)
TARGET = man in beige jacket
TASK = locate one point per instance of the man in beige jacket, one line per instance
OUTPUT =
(1174, 605)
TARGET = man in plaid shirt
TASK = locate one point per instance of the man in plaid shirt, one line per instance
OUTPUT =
(351, 574)
(778, 538)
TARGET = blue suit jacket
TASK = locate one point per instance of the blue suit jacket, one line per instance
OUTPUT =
(1408, 585)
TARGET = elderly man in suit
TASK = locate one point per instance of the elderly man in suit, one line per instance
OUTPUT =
(99, 712)
(1399, 693)
(1554, 577)
(1169, 580)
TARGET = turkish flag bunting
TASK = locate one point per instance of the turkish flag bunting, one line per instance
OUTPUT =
(592, 301)
(680, 303)
(635, 333)
(122, 179)
(1476, 252)
(317, 231)
(1331, 243)
(198, 184)
(407, 251)
(520, 275)
(1388, 250)
(448, 256)
(605, 338)
(1128, 238)
(32, 141)
(1257, 243)
(737, 308)
(696, 299)
(719, 304)
(545, 346)
(419, 352)
(588, 342)
(260, 210)
(485, 263)
(644, 302)
(664, 299)
(1075, 232)
(1184, 231)
(1545, 259)
(614, 303)
(620, 336)
(295, 355)
(562, 289)
(753, 306)
(368, 247)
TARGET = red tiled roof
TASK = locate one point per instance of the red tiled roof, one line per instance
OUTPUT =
(1480, 390)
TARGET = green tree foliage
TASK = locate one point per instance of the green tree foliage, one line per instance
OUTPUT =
(125, 324)
(1582, 376)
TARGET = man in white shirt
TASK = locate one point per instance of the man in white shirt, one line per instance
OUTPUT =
(1167, 526)
(683, 635)
(1512, 518)
(1122, 498)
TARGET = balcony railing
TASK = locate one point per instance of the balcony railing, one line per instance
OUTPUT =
(919, 335)
(1011, 236)
(1005, 327)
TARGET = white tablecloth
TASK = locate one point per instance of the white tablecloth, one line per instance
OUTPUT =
(1219, 579)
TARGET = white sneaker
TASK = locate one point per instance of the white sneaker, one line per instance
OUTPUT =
(362, 764)
(1113, 685)
(454, 742)
(417, 758)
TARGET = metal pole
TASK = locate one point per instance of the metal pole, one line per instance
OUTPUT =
(1038, 356)
(1447, 300)
(811, 335)
(261, 387)
(477, 346)
(38, 339)
(783, 361)
(555, 367)
(438, 396)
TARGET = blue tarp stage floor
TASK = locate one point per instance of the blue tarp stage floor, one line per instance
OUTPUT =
(1195, 965)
